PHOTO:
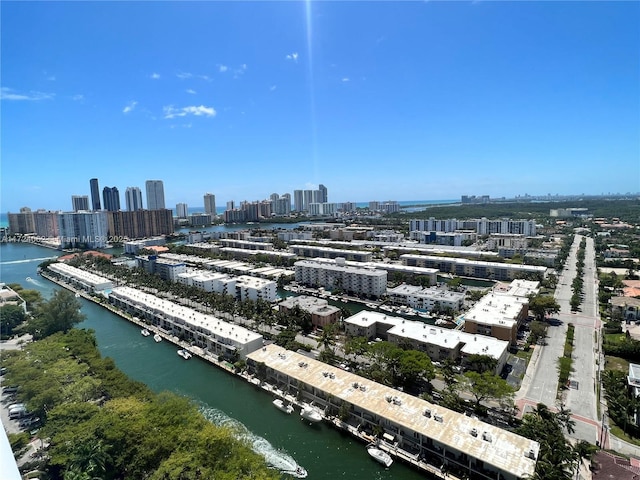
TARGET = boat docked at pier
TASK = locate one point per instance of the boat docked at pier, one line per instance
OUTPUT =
(184, 354)
(284, 407)
(145, 333)
(379, 455)
(311, 414)
(157, 337)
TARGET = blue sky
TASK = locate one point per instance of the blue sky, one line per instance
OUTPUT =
(375, 100)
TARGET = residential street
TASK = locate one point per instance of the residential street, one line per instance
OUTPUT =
(541, 380)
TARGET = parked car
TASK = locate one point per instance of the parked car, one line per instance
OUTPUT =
(9, 390)
(29, 422)
(17, 411)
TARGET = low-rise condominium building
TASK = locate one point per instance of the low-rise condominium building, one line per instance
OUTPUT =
(213, 335)
(426, 432)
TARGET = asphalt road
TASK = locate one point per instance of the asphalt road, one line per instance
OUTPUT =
(543, 374)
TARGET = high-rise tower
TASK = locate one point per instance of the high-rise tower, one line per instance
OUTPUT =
(210, 203)
(155, 195)
(133, 196)
(95, 194)
(111, 199)
(80, 202)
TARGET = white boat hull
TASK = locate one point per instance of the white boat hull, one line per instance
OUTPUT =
(145, 332)
(380, 456)
(280, 405)
(311, 414)
(184, 354)
(157, 338)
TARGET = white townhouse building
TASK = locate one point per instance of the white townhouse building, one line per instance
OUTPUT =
(87, 281)
(213, 335)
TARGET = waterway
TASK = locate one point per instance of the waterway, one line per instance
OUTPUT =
(223, 398)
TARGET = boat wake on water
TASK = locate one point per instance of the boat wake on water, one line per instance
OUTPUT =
(275, 458)
(27, 260)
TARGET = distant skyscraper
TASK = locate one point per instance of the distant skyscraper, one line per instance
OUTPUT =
(182, 210)
(95, 194)
(309, 196)
(111, 199)
(155, 195)
(133, 196)
(80, 202)
(231, 205)
(298, 200)
(210, 203)
(323, 196)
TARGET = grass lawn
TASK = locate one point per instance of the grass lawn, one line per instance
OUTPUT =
(617, 432)
(616, 363)
(526, 356)
(614, 337)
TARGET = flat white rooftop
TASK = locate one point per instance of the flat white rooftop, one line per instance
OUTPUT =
(494, 309)
(506, 451)
(92, 279)
(188, 315)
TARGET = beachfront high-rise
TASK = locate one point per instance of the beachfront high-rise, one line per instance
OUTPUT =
(210, 203)
(111, 199)
(80, 202)
(323, 194)
(298, 200)
(155, 195)
(133, 197)
(95, 194)
(182, 210)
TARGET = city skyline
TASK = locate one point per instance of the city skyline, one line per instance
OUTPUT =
(379, 101)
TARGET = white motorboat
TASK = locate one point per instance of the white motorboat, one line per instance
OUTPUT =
(379, 455)
(157, 337)
(280, 405)
(310, 414)
(299, 472)
(77, 295)
(184, 354)
(145, 332)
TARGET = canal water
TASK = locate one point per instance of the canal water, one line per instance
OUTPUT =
(224, 399)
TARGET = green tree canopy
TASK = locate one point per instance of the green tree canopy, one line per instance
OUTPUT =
(487, 386)
(543, 305)
(10, 317)
(58, 314)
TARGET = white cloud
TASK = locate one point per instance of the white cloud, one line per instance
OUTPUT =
(191, 91)
(78, 97)
(205, 77)
(184, 75)
(273, 87)
(293, 56)
(129, 108)
(222, 68)
(199, 111)
(345, 79)
(155, 76)
(10, 94)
